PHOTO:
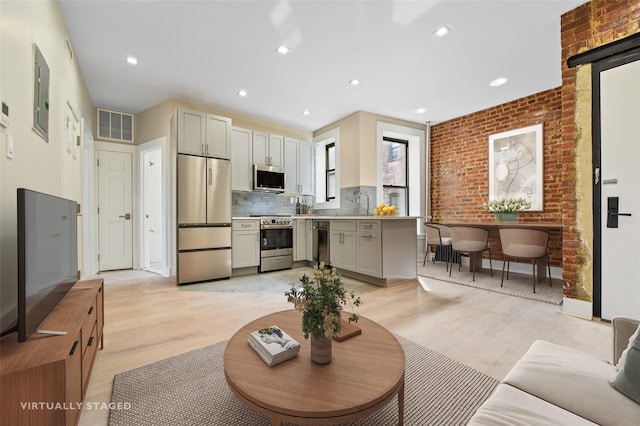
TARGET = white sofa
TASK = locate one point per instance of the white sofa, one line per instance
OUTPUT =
(556, 385)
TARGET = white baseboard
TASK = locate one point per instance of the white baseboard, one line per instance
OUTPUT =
(577, 308)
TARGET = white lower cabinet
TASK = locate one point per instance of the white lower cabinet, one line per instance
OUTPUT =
(245, 244)
(308, 223)
(342, 244)
(369, 248)
(300, 239)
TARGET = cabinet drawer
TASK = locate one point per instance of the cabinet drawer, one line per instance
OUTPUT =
(245, 225)
(203, 237)
(343, 225)
(369, 226)
(89, 324)
(87, 358)
(74, 379)
(100, 308)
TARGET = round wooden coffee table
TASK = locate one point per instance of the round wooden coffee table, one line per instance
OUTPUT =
(365, 373)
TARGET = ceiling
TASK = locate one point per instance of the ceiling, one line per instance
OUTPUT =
(206, 51)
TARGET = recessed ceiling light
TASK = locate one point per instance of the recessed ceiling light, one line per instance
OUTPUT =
(132, 60)
(283, 50)
(355, 82)
(498, 81)
(442, 31)
(306, 112)
(420, 110)
(242, 93)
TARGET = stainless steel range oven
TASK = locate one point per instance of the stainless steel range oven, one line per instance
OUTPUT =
(276, 243)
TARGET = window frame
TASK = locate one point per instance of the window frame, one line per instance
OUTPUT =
(404, 142)
(329, 171)
(419, 167)
(320, 142)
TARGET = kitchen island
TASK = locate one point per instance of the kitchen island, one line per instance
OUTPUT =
(381, 250)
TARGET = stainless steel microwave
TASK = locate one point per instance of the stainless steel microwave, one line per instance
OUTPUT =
(268, 178)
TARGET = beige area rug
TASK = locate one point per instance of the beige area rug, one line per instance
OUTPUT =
(520, 285)
(190, 390)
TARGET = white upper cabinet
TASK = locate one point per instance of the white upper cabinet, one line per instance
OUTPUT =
(305, 167)
(191, 131)
(298, 165)
(268, 149)
(218, 140)
(241, 143)
(291, 166)
(200, 133)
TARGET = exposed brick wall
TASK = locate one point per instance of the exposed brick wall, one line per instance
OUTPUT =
(460, 163)
(591, 25)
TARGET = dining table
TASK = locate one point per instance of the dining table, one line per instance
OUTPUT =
(494, 227)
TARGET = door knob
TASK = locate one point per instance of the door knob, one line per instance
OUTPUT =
(127, 216)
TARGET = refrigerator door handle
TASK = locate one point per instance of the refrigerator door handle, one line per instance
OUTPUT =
(209, 176)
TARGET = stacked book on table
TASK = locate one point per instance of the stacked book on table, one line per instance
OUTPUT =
(273, 345)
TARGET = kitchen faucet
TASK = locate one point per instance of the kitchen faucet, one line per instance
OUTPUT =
(358, 201)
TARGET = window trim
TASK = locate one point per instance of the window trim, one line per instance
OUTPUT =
(404, 142)
(328, 171)
(418, 167)
(320, 142)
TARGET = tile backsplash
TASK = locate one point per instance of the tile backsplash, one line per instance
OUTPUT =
(244, 204)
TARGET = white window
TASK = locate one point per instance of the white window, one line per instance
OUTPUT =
(395, 176)
(410, 192)
(327, 154)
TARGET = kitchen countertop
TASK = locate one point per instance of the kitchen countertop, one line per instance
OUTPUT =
(330, 217)
(360, 217)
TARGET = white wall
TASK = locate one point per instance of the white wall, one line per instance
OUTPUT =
(36, 164)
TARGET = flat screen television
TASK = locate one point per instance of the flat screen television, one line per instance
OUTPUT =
(47, 256)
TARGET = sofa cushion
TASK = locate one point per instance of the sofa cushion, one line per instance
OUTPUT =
(509, 406)
(627, 380)
(623, 355)
(575, 381)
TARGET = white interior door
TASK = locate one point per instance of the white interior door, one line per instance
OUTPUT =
(115, 210)
(153, 227)
(620, 175)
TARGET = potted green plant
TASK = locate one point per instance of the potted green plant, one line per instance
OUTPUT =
(507, 209)
(321, 298)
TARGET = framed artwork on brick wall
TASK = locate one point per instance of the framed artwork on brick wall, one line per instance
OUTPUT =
(515, 165)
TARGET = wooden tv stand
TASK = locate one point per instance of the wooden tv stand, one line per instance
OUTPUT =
(44, 380)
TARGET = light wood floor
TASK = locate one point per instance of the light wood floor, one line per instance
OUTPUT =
(149, 318)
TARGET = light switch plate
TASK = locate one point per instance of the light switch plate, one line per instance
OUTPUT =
(9, 146)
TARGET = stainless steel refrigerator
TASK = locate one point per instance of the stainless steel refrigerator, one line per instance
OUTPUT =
(204, 218)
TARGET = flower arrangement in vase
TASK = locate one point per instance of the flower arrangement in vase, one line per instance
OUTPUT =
(507, 209)
(321, 298)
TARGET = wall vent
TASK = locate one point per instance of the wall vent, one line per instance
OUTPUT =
(115, 126)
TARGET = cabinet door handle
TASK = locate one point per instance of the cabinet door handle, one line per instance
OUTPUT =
(202, 149)
(90, 311)
(90, 342)
(74, 347)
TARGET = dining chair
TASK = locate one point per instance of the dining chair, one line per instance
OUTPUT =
(524, 243)
(437, 236)
(471, 241)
